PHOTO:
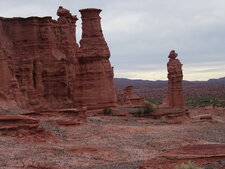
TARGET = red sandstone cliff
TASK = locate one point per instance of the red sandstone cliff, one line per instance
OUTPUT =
(42, 65)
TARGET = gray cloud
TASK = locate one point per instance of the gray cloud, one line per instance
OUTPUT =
(140, 34)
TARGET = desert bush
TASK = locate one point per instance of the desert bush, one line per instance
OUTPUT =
(148, 108)
(145, 111)
(155, 101)
(107, 111)
(139, 113)
(189, 165)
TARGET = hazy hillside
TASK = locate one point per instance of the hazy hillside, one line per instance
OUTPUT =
(122, 83)
(158, 89)
(220, 80)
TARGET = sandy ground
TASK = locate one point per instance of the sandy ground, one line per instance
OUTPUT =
(105, 142)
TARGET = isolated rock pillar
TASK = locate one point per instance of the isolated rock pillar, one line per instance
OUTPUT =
(96, 86)
(175, 77)
(92, 44)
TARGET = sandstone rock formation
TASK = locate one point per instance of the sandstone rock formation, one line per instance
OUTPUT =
(173, 104)
(21, 126)
(95, 86)
(201, 154)
(127, 96)
(175, 77)
(43, 66)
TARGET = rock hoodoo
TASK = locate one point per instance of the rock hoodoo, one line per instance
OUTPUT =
(175, 77)
(43, 66)
(173, 103)
(95, 79)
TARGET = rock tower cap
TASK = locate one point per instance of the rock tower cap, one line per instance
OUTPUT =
(90, 9)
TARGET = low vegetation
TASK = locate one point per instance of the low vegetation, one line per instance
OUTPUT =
(189, 165)
(107, 111)
(214, 101)
(145, 111)
(148, 108)
(155, 101)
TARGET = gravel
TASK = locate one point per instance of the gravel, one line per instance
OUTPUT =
(115, 139)
(125, 165)
(15, 111)
(216, 165)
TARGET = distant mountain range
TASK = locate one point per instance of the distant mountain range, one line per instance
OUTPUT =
(123, 82)
(220, 80)
(158, 89)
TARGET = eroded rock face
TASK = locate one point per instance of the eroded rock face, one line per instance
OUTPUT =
(22, 126)
(172, 107)
(175, 77)
(42, 65)
(95, 79)
(201, 154)
(127, 96)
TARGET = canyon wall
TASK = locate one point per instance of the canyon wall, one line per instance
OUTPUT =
(42, 65)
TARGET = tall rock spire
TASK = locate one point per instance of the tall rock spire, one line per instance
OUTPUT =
(175, 77)
(96, 74)
(92, 44)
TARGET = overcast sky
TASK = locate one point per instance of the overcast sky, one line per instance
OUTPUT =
(140, 33)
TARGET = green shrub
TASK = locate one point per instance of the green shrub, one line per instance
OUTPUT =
(107, 111)
(189, 165)
(214, 101)
(155, 101)
(148, 108)
(138, 114)
(145, 111)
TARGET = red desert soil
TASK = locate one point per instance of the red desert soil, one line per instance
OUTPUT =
(103, 142)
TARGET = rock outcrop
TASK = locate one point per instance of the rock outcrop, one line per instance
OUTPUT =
(173, 104)
(175, 77)
(95, 86)
(202, 154)
(127, 97)
(43, 66)
(22, 126)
